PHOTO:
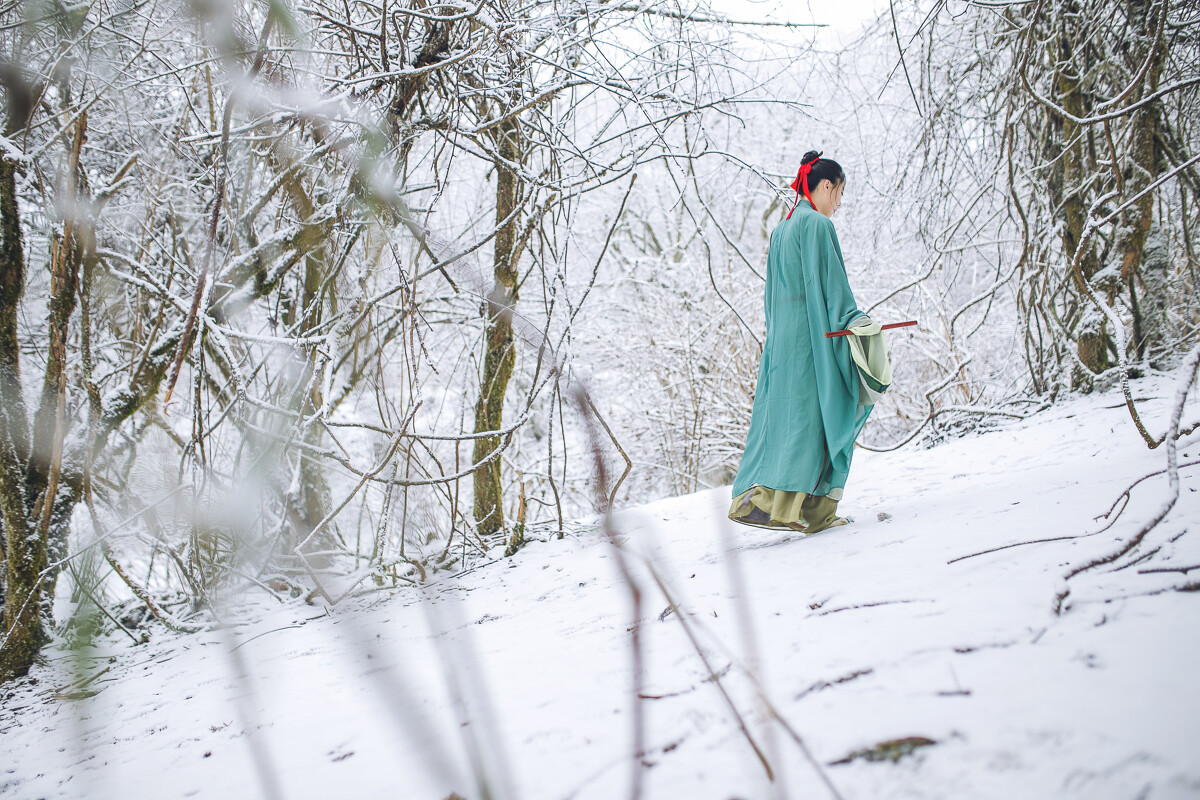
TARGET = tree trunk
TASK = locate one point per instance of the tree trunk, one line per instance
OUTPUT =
(44, 473)
(499, 357)
(1091, 333)
(1146, 160)
(314, 490)
(314, 497)
(24, 550)
(1156, 266)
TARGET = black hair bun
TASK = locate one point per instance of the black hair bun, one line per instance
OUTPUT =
(811, 155)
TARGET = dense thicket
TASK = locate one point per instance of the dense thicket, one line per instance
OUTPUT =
(283, 250)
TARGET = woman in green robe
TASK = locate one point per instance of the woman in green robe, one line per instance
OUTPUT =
(807, 410)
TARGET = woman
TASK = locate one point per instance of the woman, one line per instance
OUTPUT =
(810, 402)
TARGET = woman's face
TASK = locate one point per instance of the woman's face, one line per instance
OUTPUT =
(828, 198)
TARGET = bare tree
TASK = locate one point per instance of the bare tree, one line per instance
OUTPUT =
(1092, 105)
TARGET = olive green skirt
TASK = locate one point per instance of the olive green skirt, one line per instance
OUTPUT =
(770, 508)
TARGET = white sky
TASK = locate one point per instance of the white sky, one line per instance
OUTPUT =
(844, 17)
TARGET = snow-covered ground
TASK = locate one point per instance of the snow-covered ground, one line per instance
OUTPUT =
(514, 680)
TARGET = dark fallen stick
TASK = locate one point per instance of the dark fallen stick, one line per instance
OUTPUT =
(832, 334)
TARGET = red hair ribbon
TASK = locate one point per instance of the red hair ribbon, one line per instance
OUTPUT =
(801, 185)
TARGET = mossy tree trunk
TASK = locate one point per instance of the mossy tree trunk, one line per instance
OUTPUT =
(314, 500)
(499, 356)
(1146, 162)
(25, 554)
(1092, 338)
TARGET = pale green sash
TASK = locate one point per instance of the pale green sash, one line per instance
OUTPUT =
(868, 348)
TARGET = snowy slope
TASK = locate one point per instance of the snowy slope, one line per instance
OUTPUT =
(514, 679)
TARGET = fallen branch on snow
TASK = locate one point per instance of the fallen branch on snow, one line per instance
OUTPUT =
(1191, 365)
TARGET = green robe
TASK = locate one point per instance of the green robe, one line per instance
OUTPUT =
(806, 406)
